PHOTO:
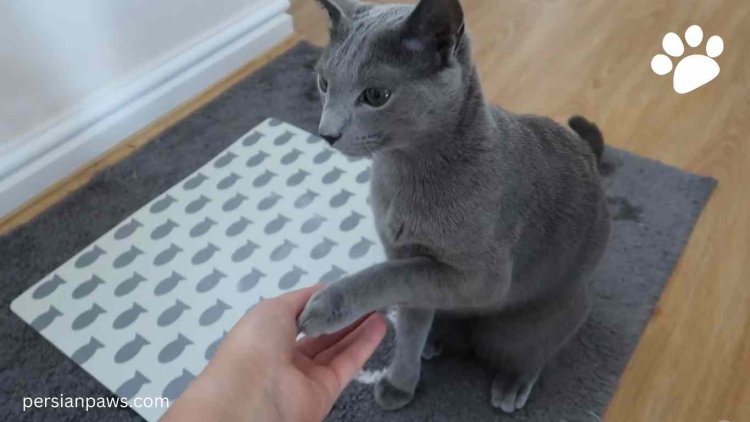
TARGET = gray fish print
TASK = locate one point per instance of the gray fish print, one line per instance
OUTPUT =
(175, 387)
(84, 289)
(171, 314)
(129, 285)
(276, 224)
(333, 275)
(305, 199)
(248, 281)
(274, 122)
(322, 249)
(237, 227)
(244, 252)
(351, 222)
(224, 160)
(128, 316)
(85, 352)
(361, 248)
(211, 349)
(46, 288)
(89, 257)
(257, 159)
(297, 178)
(195, 181)
(45, 318)
(127, 257)
(251, 139)
(174, 349)
(213, 313)
(311, 139)
(132, 386)
(197, 205)
(290, 279)
(202, 228)
(210, 281)
(166, 285)
(162, 204)
(263, 179)
(340, 198)
(291, 156)
(312, 224)
(163, 230)
(323, 156)
(130, 349)
(228, 181)
(269, 201)
(332, 176)
(87, 317)
(127, 229)
(234, 202)
(282, 251)
(167, 255)
(364, 176)
(204, 254)
(283, 138)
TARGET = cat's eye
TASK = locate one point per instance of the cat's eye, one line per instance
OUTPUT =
(376, 97)
(322, 84)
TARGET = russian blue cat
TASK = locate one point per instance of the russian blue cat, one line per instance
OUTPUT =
(491, 221)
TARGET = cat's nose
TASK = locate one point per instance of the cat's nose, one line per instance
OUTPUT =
(330, 138)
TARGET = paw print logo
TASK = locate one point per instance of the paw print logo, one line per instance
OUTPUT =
(694, 70)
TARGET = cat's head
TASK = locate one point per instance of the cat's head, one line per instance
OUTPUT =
(391, 73)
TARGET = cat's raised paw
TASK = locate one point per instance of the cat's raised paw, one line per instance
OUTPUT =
(389, 397)
(326, 312)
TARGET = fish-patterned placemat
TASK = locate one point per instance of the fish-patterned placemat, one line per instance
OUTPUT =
(144, 307)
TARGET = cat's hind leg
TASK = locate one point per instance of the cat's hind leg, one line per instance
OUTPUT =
(517, 368)
(510, 391)
(396, 388)
(519, 344)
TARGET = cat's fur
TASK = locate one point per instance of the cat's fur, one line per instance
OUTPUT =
(491, 221)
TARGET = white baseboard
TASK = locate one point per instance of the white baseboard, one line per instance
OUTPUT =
(44, 157)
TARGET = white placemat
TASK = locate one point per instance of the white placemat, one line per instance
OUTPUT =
(143, 308)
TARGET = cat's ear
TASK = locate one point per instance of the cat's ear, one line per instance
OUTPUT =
(436, 25)
(340, 12)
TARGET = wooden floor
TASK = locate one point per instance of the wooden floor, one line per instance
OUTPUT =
(559, 57)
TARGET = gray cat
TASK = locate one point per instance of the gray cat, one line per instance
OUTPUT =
(491, 221)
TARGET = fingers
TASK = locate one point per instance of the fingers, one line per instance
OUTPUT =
(311, 346)
(348, 356)
(275, 320)
(295, 300)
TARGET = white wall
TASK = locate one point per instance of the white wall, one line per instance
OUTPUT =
(63, 63)
(54, 54)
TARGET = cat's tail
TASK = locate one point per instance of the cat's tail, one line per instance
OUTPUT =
(590, 133)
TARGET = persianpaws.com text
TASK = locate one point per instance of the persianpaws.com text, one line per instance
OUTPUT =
(66, 402)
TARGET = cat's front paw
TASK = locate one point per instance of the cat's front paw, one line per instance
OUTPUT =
(326, 312)
(390, 397)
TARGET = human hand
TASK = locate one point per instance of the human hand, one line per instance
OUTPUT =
(262, 373)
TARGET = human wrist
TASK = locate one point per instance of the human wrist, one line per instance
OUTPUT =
(233, 394)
